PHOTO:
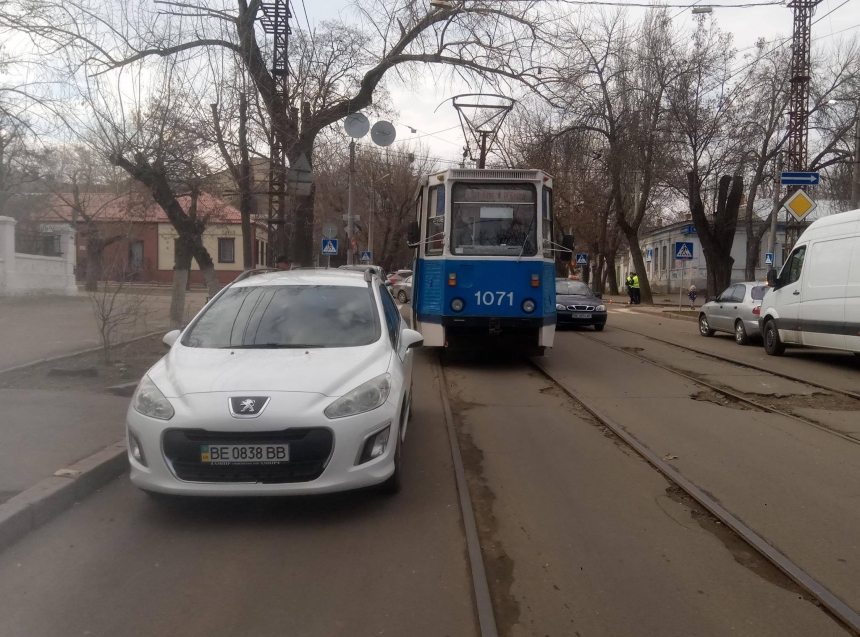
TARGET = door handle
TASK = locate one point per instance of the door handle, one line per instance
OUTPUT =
(796, 293)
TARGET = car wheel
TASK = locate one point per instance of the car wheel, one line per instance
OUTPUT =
(599, 328)
(401, 296)
(741, 337)
(772, 343)
(705, 327)
(393, 485)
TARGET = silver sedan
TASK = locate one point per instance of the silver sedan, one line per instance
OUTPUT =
(735, 311)
(402, 290)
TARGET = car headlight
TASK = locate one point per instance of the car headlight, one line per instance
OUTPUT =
(149, 401)
(559, 306)
(366, 397)
(528, 306)
(600, 308)
(457, 305)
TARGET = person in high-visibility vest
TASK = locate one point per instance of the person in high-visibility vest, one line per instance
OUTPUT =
(629, 283)
(637, 298)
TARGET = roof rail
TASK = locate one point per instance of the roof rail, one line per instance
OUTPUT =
(249, 273)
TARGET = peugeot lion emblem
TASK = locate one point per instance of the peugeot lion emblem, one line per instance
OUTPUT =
(247, 406)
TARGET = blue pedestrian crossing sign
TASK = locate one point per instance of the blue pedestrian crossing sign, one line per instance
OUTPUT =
(684, 250)
(329, 246)
(365, 256)
(768, 258)
(649, 254)
(581, 259)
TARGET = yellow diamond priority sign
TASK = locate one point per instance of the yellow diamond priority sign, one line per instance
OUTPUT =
(800, 204)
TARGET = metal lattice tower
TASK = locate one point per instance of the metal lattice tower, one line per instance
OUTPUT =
(798, 116)
(276, 22)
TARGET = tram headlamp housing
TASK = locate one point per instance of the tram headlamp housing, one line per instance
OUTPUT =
(528, 306)
(458, 304)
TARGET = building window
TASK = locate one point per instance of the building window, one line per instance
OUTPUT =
(663, 262)
(135, 255)
(226, 250)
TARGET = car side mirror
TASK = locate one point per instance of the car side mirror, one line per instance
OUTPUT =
(567, 243)
(410, 338)
(388, 284)
(772, 277)
(170, 338)
(413, 234)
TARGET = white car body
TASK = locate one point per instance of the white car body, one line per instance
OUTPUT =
(816, 300)
(299, 384)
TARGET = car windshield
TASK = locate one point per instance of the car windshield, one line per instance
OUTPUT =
(758, 292)
(291, 316)
(493, 219)
(572, 287)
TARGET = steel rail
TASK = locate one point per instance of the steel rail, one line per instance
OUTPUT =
(726, 359)
(729, 393)
(483, 600)
(844, 613)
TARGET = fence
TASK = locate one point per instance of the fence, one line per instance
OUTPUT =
(34, 263)
(37, 243)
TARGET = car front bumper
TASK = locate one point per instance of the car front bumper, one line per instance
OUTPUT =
(336, 472)
(565, 317)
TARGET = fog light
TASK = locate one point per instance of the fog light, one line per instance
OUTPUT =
(528, 306)
(375, 445)
(457, 305)
(135, 449)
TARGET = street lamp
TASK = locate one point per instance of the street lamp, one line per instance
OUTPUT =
(855, 177)
(372, 211)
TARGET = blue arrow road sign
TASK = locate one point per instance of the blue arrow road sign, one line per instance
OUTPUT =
(768, 258)
(649, 254)
(581, 259)
(684, 250)
(799, 179)
(329, 246)
(365, 256)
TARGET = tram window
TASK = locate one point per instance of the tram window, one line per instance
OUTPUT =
(435, 220)
(494, 219)
(547, 222)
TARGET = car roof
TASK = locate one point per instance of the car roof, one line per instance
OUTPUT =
(343, 278)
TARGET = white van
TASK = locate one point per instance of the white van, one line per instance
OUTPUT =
(815, 300)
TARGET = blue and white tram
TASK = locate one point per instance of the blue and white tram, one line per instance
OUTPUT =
(484, 262)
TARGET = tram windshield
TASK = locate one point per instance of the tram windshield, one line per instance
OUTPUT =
(494, 219)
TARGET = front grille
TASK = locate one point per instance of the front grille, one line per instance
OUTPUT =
(310, 449)
(580, 308)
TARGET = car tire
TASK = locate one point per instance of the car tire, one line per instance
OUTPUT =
(401, 296)
(599, 328)
(773, 345)
(704, 326)
(741, 337)
(393, 484)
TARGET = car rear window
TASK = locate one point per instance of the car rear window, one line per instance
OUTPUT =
(289, 316)
(758, 292)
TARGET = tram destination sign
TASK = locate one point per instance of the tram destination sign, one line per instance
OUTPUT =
(498, 195)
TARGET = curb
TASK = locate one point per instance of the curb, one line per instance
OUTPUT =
(44, 501)
(90, 350)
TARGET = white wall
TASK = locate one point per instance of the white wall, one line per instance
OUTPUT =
(27, 274)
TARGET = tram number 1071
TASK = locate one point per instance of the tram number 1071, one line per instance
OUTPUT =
(497, 298)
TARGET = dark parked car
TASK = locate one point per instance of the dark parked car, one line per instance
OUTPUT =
(576, 304)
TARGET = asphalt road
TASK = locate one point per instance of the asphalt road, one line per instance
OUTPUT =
(579, 536)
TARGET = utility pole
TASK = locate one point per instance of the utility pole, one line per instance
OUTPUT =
(350, 220)
(777, 177)
(855, 181)
(482, 160)
(276, 22)
(373, 183)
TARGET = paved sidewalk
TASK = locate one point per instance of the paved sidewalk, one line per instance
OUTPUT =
(36, 328)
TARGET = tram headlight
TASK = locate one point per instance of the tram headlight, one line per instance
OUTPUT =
(559, 306)
(528, 306)
(457, 305)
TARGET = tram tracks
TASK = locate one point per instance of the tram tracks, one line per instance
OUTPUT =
(820, 593)
(734, 395)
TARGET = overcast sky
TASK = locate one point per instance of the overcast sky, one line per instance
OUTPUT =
(416, 109)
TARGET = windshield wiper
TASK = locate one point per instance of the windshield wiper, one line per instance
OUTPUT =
(270, 346)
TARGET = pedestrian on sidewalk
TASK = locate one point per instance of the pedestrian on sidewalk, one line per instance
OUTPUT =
(637, 295)
(284, 263)
(629, 283)
(693, 293)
